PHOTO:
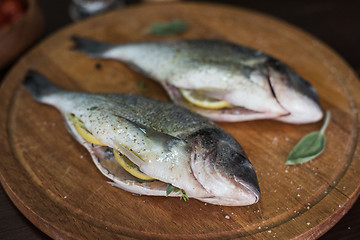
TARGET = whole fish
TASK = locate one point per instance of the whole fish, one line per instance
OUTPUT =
(220, 80)
(151, 147)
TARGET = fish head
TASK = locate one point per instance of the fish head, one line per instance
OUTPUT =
(296, 95)
(220, 165)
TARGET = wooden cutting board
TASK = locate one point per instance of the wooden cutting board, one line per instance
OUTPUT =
(54, 183)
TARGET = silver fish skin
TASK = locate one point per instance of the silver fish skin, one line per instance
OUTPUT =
(167, 142)
(257, 85)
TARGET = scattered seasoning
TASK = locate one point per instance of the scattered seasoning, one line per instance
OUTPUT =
(174, 26)
(310, 146)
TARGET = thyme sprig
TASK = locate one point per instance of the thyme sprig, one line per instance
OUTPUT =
(170, 188)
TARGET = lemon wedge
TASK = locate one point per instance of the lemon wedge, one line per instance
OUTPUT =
(130, 167)
(198, 98)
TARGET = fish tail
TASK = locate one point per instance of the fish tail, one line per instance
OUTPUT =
(91, 47)
(38, 85)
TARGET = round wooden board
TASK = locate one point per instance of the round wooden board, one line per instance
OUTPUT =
(53, 181)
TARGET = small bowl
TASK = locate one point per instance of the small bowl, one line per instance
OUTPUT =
(18, 36)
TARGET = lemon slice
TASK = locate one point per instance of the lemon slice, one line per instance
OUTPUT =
(198, 98)
(83, 132)
(121, 159)
(130, 167)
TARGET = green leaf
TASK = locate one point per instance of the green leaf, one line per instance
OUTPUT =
(184, 196)
(169, 189)
(310, 146)
(175, 26)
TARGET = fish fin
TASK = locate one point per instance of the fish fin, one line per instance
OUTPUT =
(153, 134)
(38, 85)
(90, 47)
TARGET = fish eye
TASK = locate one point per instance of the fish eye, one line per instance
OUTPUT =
(239, 158)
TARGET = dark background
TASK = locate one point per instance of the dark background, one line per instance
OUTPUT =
(335, 22)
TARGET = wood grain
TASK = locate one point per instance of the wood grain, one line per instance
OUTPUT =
(52, 180)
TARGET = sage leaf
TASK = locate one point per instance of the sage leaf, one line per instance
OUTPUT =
(310, 146)
(174, 26)
(169, 189)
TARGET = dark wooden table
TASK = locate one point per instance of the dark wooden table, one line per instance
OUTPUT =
(335, 22)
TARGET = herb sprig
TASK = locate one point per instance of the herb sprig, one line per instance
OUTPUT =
(174, 26)
(170, 188)
(310, 146)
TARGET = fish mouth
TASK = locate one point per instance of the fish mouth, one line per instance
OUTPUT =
(294, 94)
(251, 196)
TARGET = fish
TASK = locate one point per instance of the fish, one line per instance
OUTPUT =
(151, 147)
(220, 80)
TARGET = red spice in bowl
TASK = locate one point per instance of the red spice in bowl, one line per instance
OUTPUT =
(21, 24)
(11, 11)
